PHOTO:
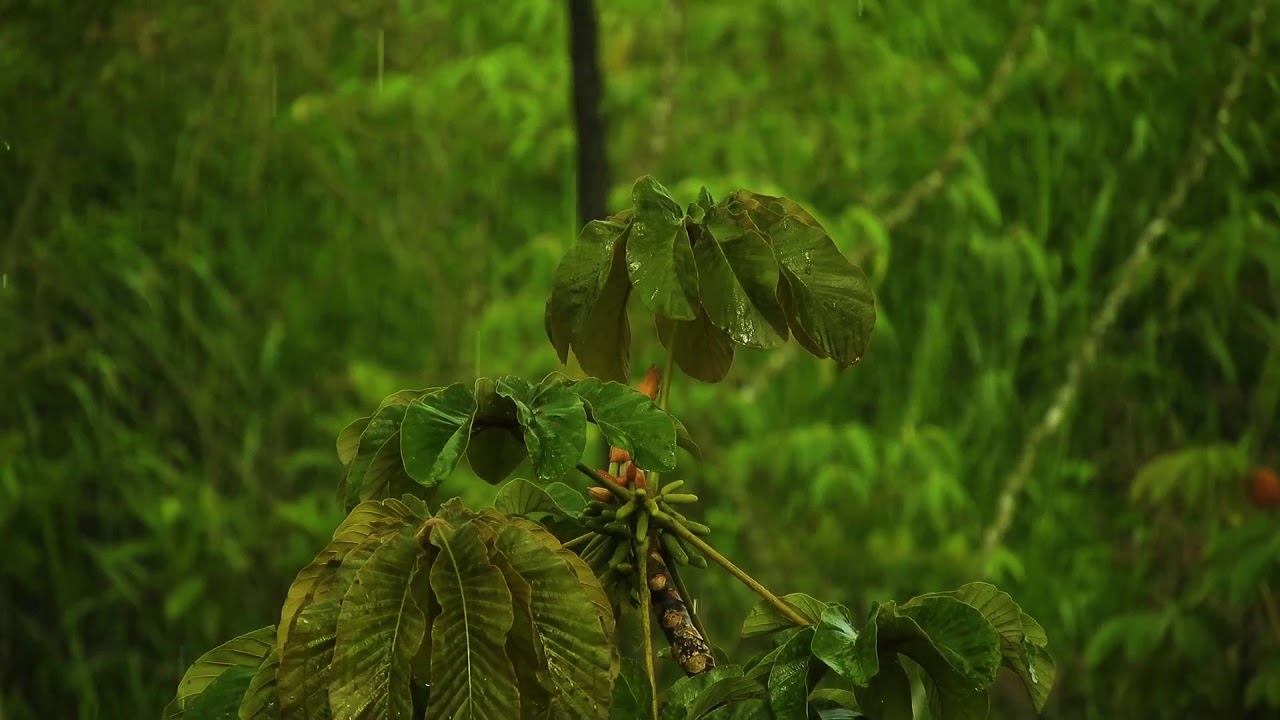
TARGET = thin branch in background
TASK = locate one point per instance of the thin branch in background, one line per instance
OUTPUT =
(593, 167)
(664, 106)
(1202, 150)
(927, 186)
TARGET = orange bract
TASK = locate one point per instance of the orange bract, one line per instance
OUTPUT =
(1264, 488)
(649, 384)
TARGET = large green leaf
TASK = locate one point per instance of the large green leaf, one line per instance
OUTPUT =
(683, 693)
(496, 448)
(554, 423)
(385, 477)
(384, 426)
(471, 676)
(379, 629)
(435, 432)
(261, 699)
(1022, 640)
(632, 697)
(631, 421)
(831, 298)
(221, 700)
(701, 350)
(739, 281)
(843, 649)
(764, 618)
(304, 673)
(725, 691)
(579, 282)
(245, 651)
(602, 343)
(349, 440)
(573, 638)
(364, 520)
(790, 678)
(524, 499)
(659, 258)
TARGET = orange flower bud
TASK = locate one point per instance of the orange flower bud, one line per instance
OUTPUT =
(600, 494)
(635, 476)
(649, 385)
(618, 455)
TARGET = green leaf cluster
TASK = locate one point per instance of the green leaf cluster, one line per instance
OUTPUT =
(959, 639)
(407, 615)
(417, 438)
(750, 271)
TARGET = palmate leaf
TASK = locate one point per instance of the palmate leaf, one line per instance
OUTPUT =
(522, 498)
(631, 421)
(554, 423)
(659, 258)
(435, 432)
(701, 350)
(379, 629)
(851, 654)
(245, 651)
(587, 310)
(471, 675)
(524, 644)
(371, 469)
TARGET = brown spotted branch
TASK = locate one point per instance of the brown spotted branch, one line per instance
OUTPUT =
(688, 646)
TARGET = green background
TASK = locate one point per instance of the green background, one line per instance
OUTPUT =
(230, 229)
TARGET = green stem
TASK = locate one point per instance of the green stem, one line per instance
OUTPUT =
(784, 609)
(688, 601)
(643, 562)
(618, 491)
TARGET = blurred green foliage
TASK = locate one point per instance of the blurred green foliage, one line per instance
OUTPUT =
(229, 230)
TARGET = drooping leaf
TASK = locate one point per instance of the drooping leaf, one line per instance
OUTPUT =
(385, 476)
(349, 440)
(571, 634)
(471, 675)
(379, 629)
(580, 280)
(888, 695)
(843, 649)
(221, 700)
(602, 343)
(764, 618)
(685, 440)
(632, 422)
(789, 680)
(496, 448)
(524, 499)
(366, 519)
(702, 351)
(956, 702)
(245, 651)
(304, 673)
(554, 423)
(832, 299)
(435, 433)
(260, 700)
(739, 282)
(659, 259)
(384, 425)
(524, 644)
(833, 696)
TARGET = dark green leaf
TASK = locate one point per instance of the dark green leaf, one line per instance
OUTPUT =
(385, 476)
(554, 422)
(631, 421)
(603, 343)
(580, 281)
(221, 700)
(832, 299)
(679, 698)
(632, 697)
(961, 635)
(789, 680)
(724, 692)
(956, 702)
(435, 433)
(684, 440)
(659, 259)
(245, 651)
(833, 697)
(496, 448)
(843, 649)
(260, 699)
(702, 350)
(888, 696)
(524, 644)
(384, 425)
(349, 440)
(739, 282)
(764, 619)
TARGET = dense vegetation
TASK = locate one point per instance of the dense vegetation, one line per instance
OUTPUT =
(228, 231)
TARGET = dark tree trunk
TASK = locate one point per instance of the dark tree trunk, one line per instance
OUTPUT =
(584, 53)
